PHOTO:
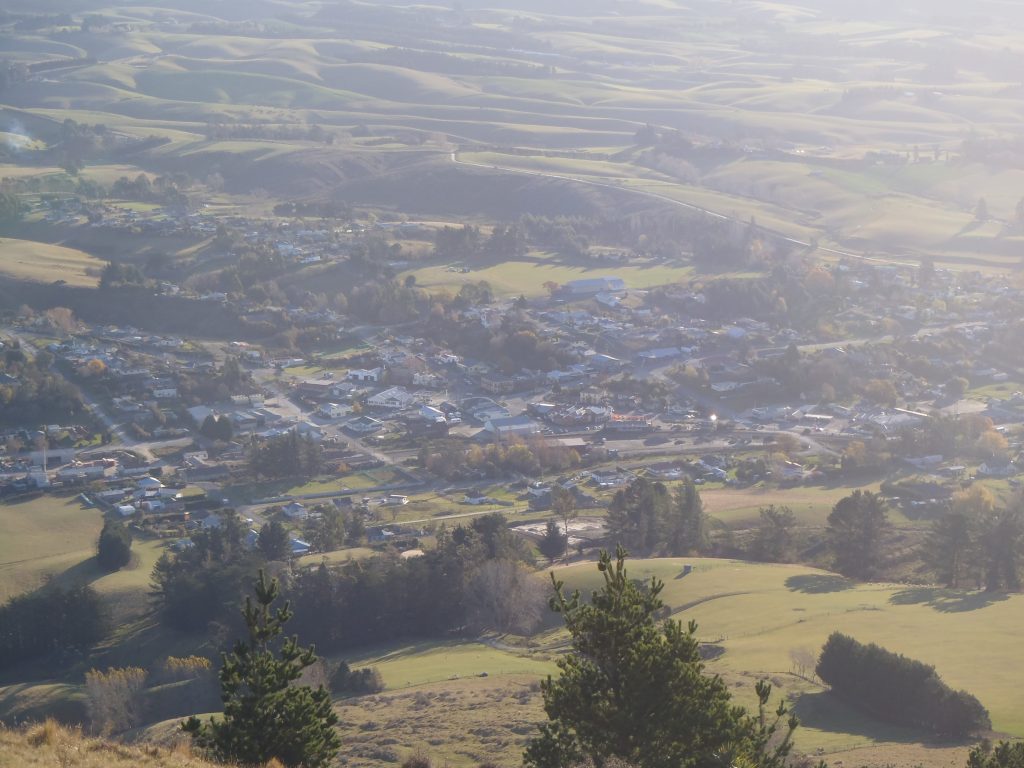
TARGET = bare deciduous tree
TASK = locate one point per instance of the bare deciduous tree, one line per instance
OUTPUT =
(803, 662)
(115, 698)
(504, 596)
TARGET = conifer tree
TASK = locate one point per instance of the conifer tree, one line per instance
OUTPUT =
(635, 690)
(266, 716)
(554, 542)
(114, 549)
(856, 528)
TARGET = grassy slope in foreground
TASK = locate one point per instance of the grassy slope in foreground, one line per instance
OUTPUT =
(49, 745)
(762, 612)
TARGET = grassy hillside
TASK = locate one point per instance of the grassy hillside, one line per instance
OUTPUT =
(46, 262)
(464, 700)
(43, 537)
(787, 109)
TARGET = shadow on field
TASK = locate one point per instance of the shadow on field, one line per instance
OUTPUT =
(947, 600)
(818, 583)
(85, 572)
(824, 711)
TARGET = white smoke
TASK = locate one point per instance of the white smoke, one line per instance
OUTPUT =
(16, 138)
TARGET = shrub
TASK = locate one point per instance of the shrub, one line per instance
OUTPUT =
(356, 682)
(897, 689)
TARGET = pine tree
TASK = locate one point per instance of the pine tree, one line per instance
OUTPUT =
(856, 526)
(636, 690)
(273, 541)
(637, 514)
(685, 532)
(114, 549)
(951, 549)
(267, 716)
(774, 540)
(554, 542)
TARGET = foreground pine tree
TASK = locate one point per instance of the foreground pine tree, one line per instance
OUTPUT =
(635, 689)
(265, 715)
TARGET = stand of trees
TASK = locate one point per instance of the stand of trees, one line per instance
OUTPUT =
(975, 543)
(775, 541)
(897, 689)
(51, 620)
(286, 456)
(199, 584)
(452, 459)
(644, 517)
(385, 598)
(38, 396)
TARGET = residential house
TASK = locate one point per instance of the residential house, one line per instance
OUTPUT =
(394, 398)
(364, 425)
(295, 511)
(334, 410)
(365, 376)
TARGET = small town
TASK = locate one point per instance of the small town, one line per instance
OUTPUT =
(510, 384)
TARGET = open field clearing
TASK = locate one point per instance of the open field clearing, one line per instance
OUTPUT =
(811, 505)
(513, 278)
(436, 692)
(42, 537)
(760, 613)
(46, 263)
(424, 663)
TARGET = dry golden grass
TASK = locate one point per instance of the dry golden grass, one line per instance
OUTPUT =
(51, 744)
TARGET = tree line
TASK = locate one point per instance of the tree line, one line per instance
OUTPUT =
(644, 517)
(453, 460)
(50, 620)
(376, 600)
(442, 591)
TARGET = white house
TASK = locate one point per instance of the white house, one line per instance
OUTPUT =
(431, 414)
(149, 483)
(364, 425)
(365, 375)
(334, 410)
(295, 511)
(395, 398)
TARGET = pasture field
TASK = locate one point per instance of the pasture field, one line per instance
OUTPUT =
(515, 278)
(438, 701)
(760, 613)
(48, 262)
(740, 507)
(42, 537)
